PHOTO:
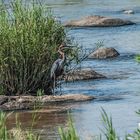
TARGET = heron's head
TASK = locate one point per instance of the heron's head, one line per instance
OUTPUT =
(62, 49)
(63, 45)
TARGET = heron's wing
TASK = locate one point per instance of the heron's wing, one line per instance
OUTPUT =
(53, 69)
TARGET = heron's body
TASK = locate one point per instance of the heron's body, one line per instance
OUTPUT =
(57, 67)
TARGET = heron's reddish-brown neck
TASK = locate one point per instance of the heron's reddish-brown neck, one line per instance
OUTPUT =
(61, 52)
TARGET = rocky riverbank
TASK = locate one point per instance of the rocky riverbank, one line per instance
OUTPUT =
(9, 103)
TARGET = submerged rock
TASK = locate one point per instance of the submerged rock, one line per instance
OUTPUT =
(98, 21)
(102, 53)
(83, 74)
(128, 12)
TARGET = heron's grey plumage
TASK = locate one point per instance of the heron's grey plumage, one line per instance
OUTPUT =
(58, 66)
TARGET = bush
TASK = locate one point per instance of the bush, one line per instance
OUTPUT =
(29, 39)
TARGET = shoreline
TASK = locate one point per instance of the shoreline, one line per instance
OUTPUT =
(51, 104)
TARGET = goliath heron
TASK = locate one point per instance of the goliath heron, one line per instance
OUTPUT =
(58, 66)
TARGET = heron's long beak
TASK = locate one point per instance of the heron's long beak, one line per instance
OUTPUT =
(66, 47)
(70, 46)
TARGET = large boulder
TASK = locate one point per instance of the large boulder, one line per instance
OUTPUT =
(83, 74)
(103, 53)
(98, 21)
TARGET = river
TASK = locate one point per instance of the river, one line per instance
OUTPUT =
(119, 94)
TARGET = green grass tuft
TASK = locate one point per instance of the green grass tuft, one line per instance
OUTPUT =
(70, 133)
(138, 58)
(109, 130)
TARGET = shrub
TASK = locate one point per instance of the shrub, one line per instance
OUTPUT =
(29, 39)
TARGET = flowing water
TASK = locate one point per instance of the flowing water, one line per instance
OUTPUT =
(119, 94)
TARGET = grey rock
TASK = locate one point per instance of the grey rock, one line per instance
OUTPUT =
(83, 74)
(98, 21)
(103, 53)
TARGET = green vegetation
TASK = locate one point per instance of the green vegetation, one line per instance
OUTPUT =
(15, 133)
(70, 134)
(108, 131)
(3, 129)
(138, 58)
(136, 134)
(29, 40)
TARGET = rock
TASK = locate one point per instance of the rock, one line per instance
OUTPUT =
(103, 53)
(128, 11)
(83, 74)
(17, 134)
(3, 99)
(20, 134)
(98, 21)
(67, 98)
(29, 102)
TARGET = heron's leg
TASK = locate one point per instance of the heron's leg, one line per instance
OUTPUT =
(60, 86)
(54, 85)
(60, 89)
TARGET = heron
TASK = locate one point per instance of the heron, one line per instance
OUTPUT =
(58, 66)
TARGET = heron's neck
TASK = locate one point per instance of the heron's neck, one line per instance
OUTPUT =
(62, 54)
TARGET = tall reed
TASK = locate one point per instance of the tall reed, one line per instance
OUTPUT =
(70, 133)
(29, 39)
(109, 132)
